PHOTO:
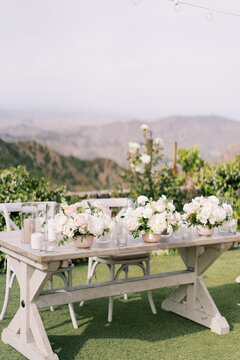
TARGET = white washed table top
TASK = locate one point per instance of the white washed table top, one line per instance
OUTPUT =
(12, 241)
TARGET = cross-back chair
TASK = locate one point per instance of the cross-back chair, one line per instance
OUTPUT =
(141, 260)
(64, 272)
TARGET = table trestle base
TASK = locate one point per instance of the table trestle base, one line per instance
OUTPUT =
(193, 301)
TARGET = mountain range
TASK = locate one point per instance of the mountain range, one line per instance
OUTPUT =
(212, 134)
(76, 174)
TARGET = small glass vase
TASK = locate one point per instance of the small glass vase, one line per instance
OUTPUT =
(204, 230)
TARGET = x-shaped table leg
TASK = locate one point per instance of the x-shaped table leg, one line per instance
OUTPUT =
(193, 301)
(26, 331)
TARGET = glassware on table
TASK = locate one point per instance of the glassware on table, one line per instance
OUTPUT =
(28, 221)
(122, 234)
(51, 238)
(233, 226)
(186, 232)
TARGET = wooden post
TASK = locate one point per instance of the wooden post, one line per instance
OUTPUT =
(175, 170)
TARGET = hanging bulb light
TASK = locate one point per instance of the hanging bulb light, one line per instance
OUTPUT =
(177, 6)
(136, 2)
(209, 16)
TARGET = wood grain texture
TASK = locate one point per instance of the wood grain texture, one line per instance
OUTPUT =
(12, 241)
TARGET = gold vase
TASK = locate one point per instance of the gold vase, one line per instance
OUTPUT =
(151, 238)
(83, 243)
(204, 230)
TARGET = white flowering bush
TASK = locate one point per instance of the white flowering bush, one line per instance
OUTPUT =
(83, 219)
(145, 163)
(155, 217)
(206, 211)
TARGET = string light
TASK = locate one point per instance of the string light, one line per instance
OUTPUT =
(210, 11)
(136, 2)
(209, 16)
(177, 6)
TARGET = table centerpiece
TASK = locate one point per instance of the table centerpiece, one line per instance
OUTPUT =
(83, 221)
(152, 218)
(205, 213)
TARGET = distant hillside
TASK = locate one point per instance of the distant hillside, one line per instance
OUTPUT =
(212, 134)
(228, 155)
(76, 174)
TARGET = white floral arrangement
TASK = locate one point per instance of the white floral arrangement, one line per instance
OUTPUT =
(83, 219)
(206, 211)
(154, 217)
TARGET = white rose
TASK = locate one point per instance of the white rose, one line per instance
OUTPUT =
(132, 224)
(96, 225)
(171, 207)
(141, 200)
(144, 127)
(158, 206)
(145, 159)
(214, 199)
(147, 212)
(158, 223)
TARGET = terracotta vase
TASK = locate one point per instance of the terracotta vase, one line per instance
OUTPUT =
(151, 238)
(204, 230)
(83, 243)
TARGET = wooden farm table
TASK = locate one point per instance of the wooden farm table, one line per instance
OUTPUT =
(191, 299)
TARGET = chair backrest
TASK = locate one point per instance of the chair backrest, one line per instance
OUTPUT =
(7, 209)
(122, 203)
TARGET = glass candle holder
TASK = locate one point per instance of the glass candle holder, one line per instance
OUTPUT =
(233, 226)
(28, 221)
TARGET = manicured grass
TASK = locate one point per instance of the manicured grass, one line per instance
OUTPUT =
(135, 332)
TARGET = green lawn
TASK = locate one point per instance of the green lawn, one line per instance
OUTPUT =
(135, 332)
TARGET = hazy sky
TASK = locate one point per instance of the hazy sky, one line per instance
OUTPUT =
(111, 56)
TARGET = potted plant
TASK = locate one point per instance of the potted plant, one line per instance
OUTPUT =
(83, 221)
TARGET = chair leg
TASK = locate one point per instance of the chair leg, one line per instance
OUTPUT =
(126, 276)
(110, 303)
(150, 299)
(9, 282)
(50, 288)
(91, 271)
(70, 305)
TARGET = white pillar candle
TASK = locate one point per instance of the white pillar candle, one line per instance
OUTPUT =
(29, 226)
(52, 233)
(36, 241)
